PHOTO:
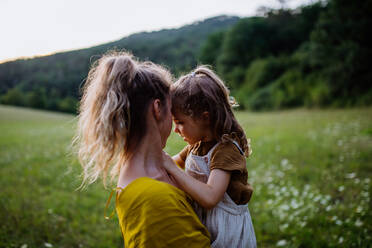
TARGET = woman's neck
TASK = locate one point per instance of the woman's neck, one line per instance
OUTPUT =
(146, 161)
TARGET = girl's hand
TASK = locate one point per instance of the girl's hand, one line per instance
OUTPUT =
(206, 194)
(168, 162)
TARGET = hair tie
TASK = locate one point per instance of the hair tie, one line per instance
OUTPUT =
(193, 74)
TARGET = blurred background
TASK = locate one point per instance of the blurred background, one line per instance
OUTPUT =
(300, 71)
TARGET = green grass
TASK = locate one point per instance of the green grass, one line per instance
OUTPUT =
(310, 169)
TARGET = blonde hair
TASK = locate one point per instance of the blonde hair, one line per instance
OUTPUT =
(202, 90)
(112, 119)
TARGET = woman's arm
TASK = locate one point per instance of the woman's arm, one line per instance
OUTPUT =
(207, 195)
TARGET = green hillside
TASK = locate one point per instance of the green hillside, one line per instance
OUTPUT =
(53, 82)
(311, 172)
(314, 56)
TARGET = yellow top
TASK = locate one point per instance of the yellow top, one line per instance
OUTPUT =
(156, 214)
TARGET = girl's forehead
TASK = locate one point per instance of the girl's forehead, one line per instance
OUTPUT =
(179, 116)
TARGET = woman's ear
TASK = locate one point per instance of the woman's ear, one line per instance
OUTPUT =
(156, 107)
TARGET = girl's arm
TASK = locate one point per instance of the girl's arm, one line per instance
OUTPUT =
(207, 195)
(177, 159)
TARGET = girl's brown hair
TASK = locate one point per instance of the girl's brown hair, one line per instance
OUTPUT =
(112, 119)
(202, 90)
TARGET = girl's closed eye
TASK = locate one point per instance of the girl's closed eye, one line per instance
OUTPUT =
(177, 122)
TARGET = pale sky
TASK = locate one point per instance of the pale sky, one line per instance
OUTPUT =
(39, 27)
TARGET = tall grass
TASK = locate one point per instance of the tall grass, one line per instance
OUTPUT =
(310, 169)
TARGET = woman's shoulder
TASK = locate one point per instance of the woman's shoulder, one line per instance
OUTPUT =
(145, 191)
(147, 203)
(150, 187)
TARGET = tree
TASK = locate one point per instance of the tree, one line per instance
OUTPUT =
(14, 97)
(68, 104)
(343, 49)
(37, 98)
(211, 49)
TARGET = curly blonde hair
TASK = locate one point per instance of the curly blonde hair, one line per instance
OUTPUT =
(112, 119)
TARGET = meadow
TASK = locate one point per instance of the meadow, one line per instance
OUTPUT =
(311, 171)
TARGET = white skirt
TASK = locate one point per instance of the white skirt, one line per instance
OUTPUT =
(230, 225)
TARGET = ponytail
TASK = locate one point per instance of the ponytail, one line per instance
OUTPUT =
(111, 123)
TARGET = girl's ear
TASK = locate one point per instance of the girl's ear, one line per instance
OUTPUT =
(156, 106)
(205, 117)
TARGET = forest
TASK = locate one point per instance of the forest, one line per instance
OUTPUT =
(313, 56)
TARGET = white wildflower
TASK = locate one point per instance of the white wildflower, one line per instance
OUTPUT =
(328, 208)
(279, 174)
(282, 242)
(284, 189)
(340, 240)
(294, 204)
(359, 209)
(294, 191)
(24, 246)
(334, 218)
(285, 207)
(358, 223)
(48, 245)
(284, 226)
(284, 162)
(290, 218)
(338, 222)
(341, 188)
(365, 194)
(350, 175)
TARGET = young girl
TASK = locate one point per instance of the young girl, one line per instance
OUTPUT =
(215, 173)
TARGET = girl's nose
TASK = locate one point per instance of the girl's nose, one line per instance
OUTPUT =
(176, 130)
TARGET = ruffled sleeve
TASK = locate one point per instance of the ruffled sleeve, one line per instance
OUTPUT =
(228, 157)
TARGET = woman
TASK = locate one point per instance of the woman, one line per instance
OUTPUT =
(124, 122)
